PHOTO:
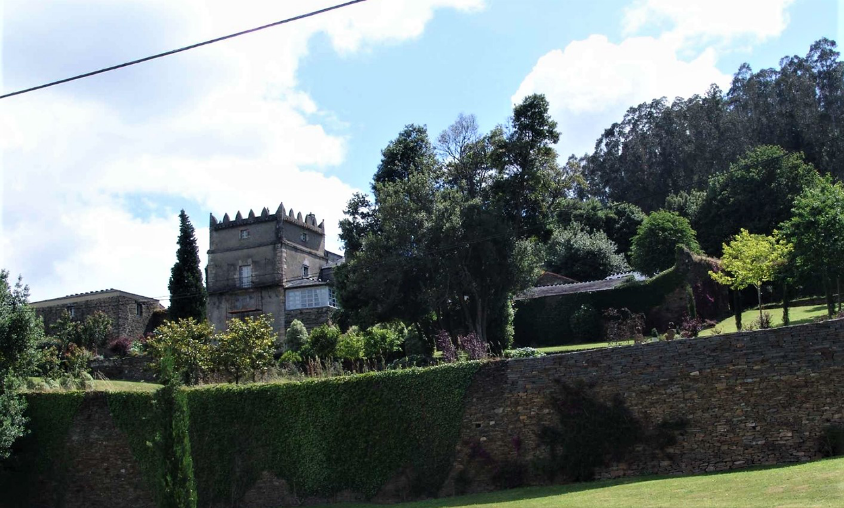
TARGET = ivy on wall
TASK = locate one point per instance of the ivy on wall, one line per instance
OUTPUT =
(42, 452)
(325, 436)
(546, 321)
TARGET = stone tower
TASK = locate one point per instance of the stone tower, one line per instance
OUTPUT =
(272, 263)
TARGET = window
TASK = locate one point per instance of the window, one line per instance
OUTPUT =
(244, 234)
(139, 309)
(305, 271)
(244, 276)
(306, 298)
(332, 298)
(70, 311)
(304, 237)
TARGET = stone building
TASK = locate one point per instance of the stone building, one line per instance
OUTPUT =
(272, 263)
(131, 315)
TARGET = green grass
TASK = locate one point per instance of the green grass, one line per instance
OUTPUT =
(798, 315)
(124, 386)
(578, 347)
(818, 484)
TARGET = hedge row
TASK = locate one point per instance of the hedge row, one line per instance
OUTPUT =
(42, 453)
(546, 321)
(326, 436)
(209, 445)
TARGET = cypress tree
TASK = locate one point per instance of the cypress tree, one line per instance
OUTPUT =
(187, 292)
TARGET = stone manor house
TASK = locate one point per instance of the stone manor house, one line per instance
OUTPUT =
(272, 263)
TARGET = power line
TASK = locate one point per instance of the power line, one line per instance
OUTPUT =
(185, 48)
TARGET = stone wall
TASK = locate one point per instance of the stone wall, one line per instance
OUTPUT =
(746, 399)
(130, 317)
(311, 318)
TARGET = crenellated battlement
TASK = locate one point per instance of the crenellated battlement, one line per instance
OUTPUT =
(281, 214)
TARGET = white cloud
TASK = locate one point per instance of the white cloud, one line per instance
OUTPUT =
(93, 174)
(718, 21)
(590, 83)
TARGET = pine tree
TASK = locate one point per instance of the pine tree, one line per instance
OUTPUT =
(187, 292)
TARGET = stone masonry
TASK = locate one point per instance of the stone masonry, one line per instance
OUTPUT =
(749, 399)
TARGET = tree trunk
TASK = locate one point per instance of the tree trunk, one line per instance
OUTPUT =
(827, 289)
(737, 307)
(838, 292)
(785, 303)
(759, 299)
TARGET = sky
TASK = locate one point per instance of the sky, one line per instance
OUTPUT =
(94, 172)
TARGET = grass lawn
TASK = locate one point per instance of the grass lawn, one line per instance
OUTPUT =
(818, 483)
(577, 347)
(798, 315)
(124, 386)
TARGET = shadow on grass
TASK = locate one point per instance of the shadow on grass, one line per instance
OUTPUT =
(529, 493)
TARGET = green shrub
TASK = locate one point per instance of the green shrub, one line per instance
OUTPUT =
(523, 352)
(655, 244)
(416, 344)
(832, 441)
(350, 345)
(380, 341)
(585, 323)
(296, 336)
(411, 361)
(323, 340)
(290, 357)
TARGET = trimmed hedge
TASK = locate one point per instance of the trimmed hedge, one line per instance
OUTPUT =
(209, 445)
(325, 436)
(546, 321)
(42, 451)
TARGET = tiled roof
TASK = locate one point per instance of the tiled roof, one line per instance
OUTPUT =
(90, 295)
(570, 289)
(301, 283)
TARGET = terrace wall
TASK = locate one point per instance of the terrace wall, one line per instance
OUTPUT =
(744, 399)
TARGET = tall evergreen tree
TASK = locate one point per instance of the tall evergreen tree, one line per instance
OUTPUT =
(187, 292)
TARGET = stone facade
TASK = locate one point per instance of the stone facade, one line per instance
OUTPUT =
(748, 399)
(256, 263)
(131, 315)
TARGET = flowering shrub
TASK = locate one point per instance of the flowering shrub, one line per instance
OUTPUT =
(691, 327)
(473, 346)
(120, 346)
(445, 346)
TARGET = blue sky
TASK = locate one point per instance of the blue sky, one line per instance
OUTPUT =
(95, 172)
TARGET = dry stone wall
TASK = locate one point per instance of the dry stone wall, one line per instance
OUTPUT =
(744, 399)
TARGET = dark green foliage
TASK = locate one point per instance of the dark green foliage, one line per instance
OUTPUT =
(662, 148)
(832, 441)
(655, 244)
(546, 321)
(585, 323)
(816, 229)
(757, 194)
(583, 255)
(20, 329)
(187, 292)
(42, 452)
(313, 434)
(12, 419)
(323, 340)
(686, 204)
(411, 152)
(589, 434)
(156, 426)
(381, 342)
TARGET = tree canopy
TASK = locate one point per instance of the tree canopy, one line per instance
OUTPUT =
(655, 244)
(665, 147)
(816, 229)
(751, 260)
(187, 292)
(451, 234)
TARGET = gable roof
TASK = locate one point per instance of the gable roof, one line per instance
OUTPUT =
(90, 295)
(570, 289)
